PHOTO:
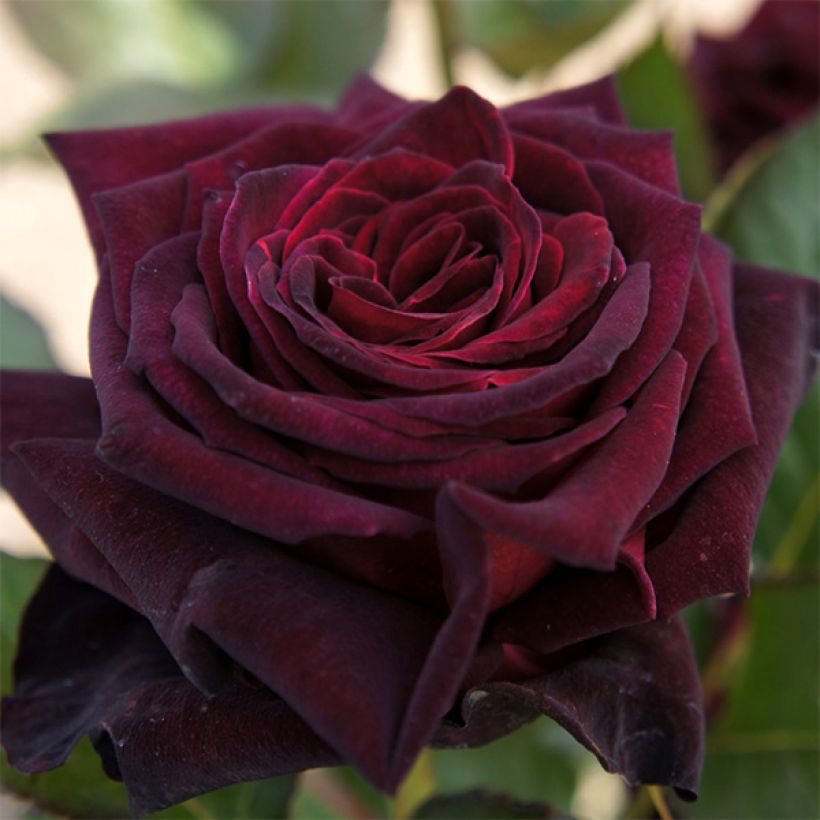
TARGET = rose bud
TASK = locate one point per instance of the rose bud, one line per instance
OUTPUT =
(763, 78)
(409, 422)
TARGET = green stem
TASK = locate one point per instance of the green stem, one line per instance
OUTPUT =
(659, 802)
(446, 16)
(798, 533)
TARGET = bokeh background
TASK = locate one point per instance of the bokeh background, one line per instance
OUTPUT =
(68, 64)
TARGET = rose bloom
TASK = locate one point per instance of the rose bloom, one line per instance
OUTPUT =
(764, 77)
(409, 422)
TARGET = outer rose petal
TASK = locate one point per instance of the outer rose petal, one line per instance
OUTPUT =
(94, 159)
(89, 665)
(776, 318)
(601, 96)
(621, 476)
(632, 697)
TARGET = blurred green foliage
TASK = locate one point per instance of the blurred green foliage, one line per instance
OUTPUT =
(521, 35)
(23, 343)
(656, 95)
(768, 209)
(135, 61)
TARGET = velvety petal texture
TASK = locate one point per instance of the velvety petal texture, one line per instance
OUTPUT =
(408, 422)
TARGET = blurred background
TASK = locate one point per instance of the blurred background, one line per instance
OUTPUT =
(69, 64)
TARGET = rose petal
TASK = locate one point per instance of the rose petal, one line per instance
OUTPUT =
(39, 404)
(365, 100)
(283, 143)
(601, 95)
(503, 468)
(652, 226)
(551, 178)
(776, 318)
(89, 665)
(94, 159)
(616, 329)
(645, 155)
(428, 130)
(621, 475)
(632, 697)
(139, 440)
(158, 285)
(718, 420)
(134, 219)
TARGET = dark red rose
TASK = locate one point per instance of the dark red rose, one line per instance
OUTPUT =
(762, 78)
(408, 422)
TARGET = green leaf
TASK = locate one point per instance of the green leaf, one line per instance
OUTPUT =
(302, 47)
(538, 762)
(19, 578)
(768, 209)
(23, 343)
(657, 96)
(764, 755)
(788, 536)
(479, 804)
(259, 798)
(332, 793)
(519, 35)
(173, 40)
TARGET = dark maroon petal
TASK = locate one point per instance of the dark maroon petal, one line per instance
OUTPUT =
(262, 201)
(159, 282)
(283, 143)
(88, 665)
(718, 420)
(365, 100)
(340, 426)
(429, 130)
(381, 691)
(99, 160)
(633, 698)
(647, 155)
(133, 220)
(651, 226)
(572, 605)
(615, 330)
(699, 330)
(230, 330)
(600, 95)
(776, 319)
(551, 178)
(587, 247)
(219, 582)
(33, 405)
(621, 475)
(502, 468)
(142, 442)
